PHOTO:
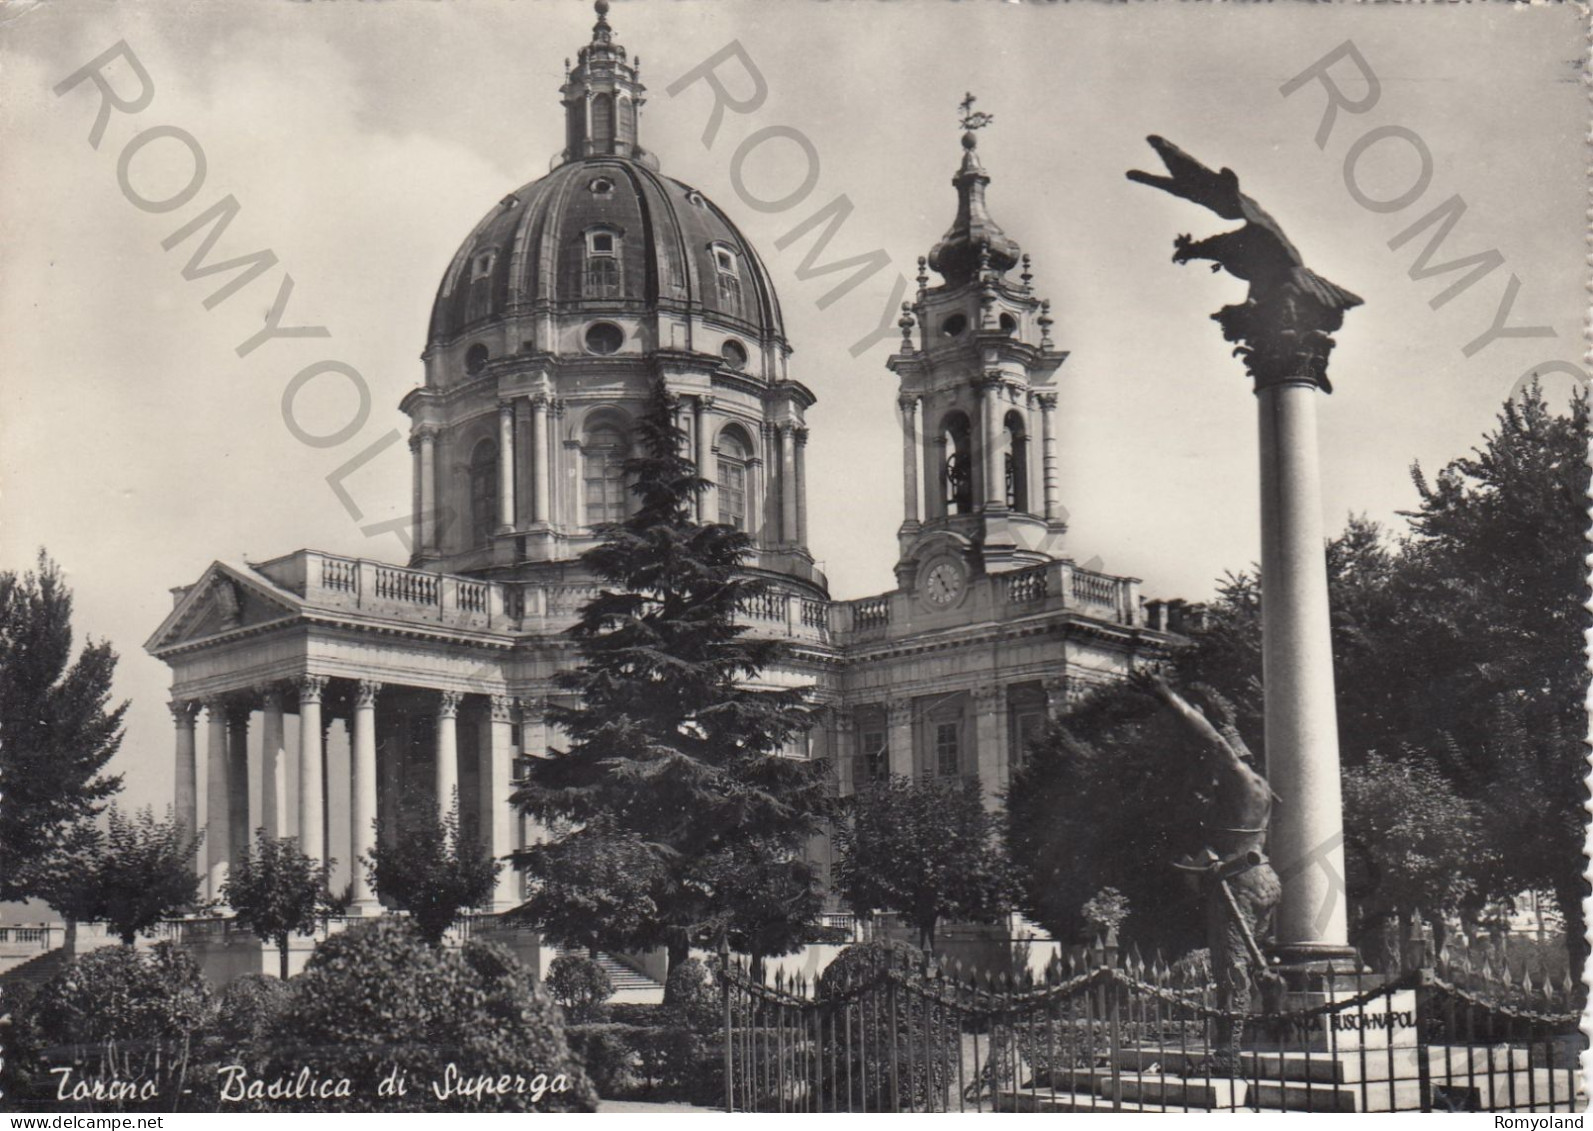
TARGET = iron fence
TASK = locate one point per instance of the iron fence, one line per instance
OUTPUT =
(1106, 1031)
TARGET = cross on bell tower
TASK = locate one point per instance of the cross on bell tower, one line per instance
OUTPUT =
(978, 405)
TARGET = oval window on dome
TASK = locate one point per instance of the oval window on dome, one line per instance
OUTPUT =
(696, 199)
(601, 186)
(734, 353)
(954, 325)
(476, 358)
(604, 337)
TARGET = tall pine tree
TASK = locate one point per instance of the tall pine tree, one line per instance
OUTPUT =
(674, 756)
(57, 729)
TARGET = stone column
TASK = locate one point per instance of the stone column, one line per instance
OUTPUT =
(362, 795)
(990, 416)
(755, 498)
(788, 513)
(899, 739)
(218, 798)
(312, 771)
(1302, 742)
(541, 458)
(800, 435)
(427, 518)
(990, 756)
(238, 809)
(447, 781)
(846, 755)
(1048, 452)
(273, 764)
(185, 793)
(505, 466)
(705, 457)
(912, 457)
(496, 770)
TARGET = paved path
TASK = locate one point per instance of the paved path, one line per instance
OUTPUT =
(642, 1106)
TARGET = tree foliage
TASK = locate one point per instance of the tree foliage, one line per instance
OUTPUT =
(926, 850)
(132, 875)
(431, 871)
(1458, 657)
(676, 761)
(277, 891)
(58, 729)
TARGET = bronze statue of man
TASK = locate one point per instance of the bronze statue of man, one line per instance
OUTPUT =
(1241, 887)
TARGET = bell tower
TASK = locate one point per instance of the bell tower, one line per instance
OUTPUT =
(978, 406)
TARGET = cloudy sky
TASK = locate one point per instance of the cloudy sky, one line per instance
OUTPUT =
(362, 141)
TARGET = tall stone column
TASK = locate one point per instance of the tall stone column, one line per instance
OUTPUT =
(185, 793)
(541, 458)
(362, 795)
(447, 780)
(990, 417)
(238, 809)
(705, 457)
(506, 465)
(788, 476)
(755, 475)
(899, 741)
(496, 772)
(1048, 453)
(218, 797)
(427, 519)
(912, 457)
(273, 763)
(312, 769)
(800, 435)
(1302, 737)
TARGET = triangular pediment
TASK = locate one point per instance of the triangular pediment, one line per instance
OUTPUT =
(224, 600)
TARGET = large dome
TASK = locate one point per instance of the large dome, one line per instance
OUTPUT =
(672, 248)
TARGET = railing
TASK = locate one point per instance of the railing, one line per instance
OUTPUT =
(872, 613)
(1105, 1030)
(339, 575)
(1026, 585)
(394, 584)
(1094, 588)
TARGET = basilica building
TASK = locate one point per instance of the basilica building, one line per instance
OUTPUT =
(313, 693)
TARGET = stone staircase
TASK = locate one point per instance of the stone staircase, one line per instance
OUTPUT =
(631, 986)
(1364, 1079)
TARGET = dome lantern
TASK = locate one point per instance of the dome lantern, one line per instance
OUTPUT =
(603, 98)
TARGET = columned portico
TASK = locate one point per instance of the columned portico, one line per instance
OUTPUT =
(496, 773)
(238, 793)
(274, 802)
(362, 795)
(312, 768)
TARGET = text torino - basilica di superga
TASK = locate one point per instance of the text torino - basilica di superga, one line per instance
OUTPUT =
(312, 692)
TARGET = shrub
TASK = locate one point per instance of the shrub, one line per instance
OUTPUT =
(691, 997)
(248, 1008)
(610, 1053)
(581, 986)
(376, 1001)
(115, 1012)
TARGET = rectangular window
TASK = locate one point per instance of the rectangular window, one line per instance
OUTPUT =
(603, 243)
(730, 293)
(602, 277)
(871, 746)
(948, 753)
(1027, 727)
(733, 494)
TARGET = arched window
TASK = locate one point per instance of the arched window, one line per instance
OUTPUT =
(603, 122)
(627, 121)
(733, 453)
(1017, 463)
(602, 276)
(483, 492)
(727, 269)
(603, 453)
(956, 473)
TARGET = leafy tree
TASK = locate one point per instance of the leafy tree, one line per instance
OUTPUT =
(431, 871)
(134, 875)
(57, 728)
(926, 850)
(675, 759)
(1105, 911)
(1405, 828)
(593, 884)
(276, 891)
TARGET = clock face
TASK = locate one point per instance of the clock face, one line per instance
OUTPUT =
(943, 583)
